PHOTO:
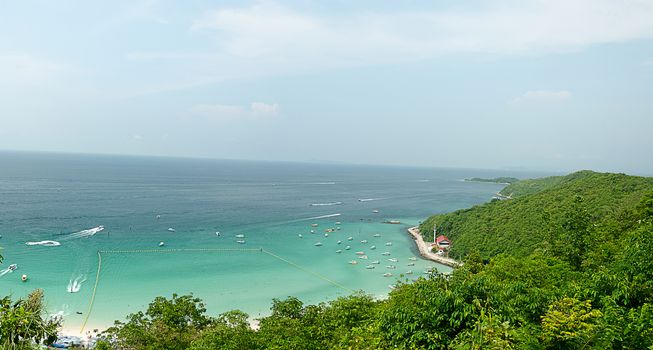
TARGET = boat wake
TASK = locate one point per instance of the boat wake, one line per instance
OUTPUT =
(45, 243)
(325, 204)
(84, 233)
(321, 183)
(370, 199)
(317, 217)
(74, 285)
(4, 272)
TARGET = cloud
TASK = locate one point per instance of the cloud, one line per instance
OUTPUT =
(255, 111)
(542, 96)
(24, 69)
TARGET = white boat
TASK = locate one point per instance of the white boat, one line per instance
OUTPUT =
(409, 272)
(339, 251)
(313, 225)
(158, 216)
(312, 231)
(412, 258)
(318, 244)
(339, 242)
(411, 264)
(387, 274)
(392, 260)
(364, 257)
(370, 267)
(373, 247)
(388, 243)
(217, 233)
(326, 235)
(364, 241)
(13, 267)
(360, 253)
(347, 247)
(337, 222)
(385, 253)
(171, 229)
(161, 244)
(242, 241)
(350, 238)
(375, 211)
(240, 236)
(377, 235)
(300, 235)
(376, 262)
(392, 286)
(391, 267)
(353, 262)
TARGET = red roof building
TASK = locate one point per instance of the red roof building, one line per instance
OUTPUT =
(443, 242)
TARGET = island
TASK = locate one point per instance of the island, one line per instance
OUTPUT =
(498, 180)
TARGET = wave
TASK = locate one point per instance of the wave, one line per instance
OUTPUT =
(325, 204)
(321, 183)
(74, 285)
(45, 243)
(370, 199)
(84, 233)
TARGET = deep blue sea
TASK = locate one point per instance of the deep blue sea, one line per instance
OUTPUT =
(136, 200)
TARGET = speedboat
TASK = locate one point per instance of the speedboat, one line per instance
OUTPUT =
(339, 242)
(391, 267)
(313, 225)
(339, 251)
(13, 267)
(370, 267)
(350, 238)
(409, 272)
(337, 222)
(375, 211)
(171, 229)
(353, 262)
(376, 262)
(364, 257)
(364, 241)
(240, 236)
(392, 286)
(388, 243)
(347, 247)
(377, 235)
(373, 247)
(300, 235)
(412, 258)
(360, 253)
(318, 244)
(242, 241)
(411, 264)
(392, 260)
(161, 244)
(385, 253)
(326, 235)
(387, 274)
(217, 233)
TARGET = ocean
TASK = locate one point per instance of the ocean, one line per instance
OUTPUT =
(110, 214)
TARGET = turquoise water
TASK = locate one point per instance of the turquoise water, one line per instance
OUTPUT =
(57, 197)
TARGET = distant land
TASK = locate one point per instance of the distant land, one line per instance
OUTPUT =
(499, 180)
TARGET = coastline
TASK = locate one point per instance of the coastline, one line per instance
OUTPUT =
(425, 252)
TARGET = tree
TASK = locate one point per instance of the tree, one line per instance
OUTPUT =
(231, 331)
(569, 324)
(22, 322)
(167, 324)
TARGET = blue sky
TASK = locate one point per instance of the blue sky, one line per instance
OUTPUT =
(546, 85)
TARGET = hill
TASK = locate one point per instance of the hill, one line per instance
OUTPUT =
(538, 212)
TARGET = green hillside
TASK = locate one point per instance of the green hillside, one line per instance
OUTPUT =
(539, 211)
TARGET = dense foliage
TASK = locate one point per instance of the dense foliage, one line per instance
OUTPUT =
(22, 322)
(540, 213)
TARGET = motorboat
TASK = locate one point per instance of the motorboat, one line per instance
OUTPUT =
(364, 257)
(409, 272)
(388, 243)
(170, 229)
(391, 267)
(326, 235)
(339, 242)
(376, 262)
(412, 258)
(241, 241)
(360, 253)
(411, 264)
(373, 247)
(318, 244)
(387, 274)
(392, 260)
(240, 235)
(364, 241)
(370, 267)
(353, 262)
(161, 244)
(300, 235)
(377, 235)
(339, 251)
(350, 238)
(375, 211)
(347, 247)
(385, 253)
(13, 267)
(313, 225)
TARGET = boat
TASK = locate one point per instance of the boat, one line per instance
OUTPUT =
(412, 258)
(392, 260)
(161, 244)
(240, 235)
(411, 264)
(376, 262)
(353, 262)
(392, 286)
(300, 235)
(318, 244)
(375, 211)
(350, 238)
(313, 225)
(377, 235)
(387, 274)
(391, 267)
(45, 243)
(13, 267)
(388, 243)
(364, 257)
(329, 230)
(395, 222)
(370, 267)
(326, 235)
(337, 222)
(385, 253)
(409, 272)
(364, 241)
(217, 233)
(339, 242)
(23, 278)
(171, 229)
(373, 247)
(158, 216)
(360, 253)
(240, 241)
(347, 247)
(312, 231)
(339, 251)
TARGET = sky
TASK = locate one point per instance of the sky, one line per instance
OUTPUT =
(553, 85)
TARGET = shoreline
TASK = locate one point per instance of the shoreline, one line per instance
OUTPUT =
(425, 252)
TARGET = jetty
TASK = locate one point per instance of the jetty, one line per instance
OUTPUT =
(425, 250)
